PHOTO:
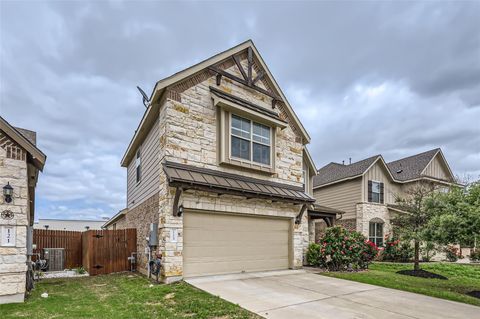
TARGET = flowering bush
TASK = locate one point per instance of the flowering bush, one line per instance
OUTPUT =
(397, 251)
(340, 249)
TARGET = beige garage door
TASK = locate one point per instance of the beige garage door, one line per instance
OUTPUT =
(216, 243)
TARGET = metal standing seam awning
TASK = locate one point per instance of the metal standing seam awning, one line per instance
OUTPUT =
(185, 177)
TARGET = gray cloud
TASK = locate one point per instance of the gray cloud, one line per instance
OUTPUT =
(364, 77)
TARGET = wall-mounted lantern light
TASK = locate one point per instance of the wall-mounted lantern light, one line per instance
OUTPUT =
(8, 192)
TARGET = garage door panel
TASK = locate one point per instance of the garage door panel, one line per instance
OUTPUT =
(192, 234)
(216, 243)
(199, 269)
(226, 252)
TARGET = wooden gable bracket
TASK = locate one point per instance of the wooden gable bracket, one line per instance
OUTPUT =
(246, 79)
(298, 218)
(176, 210)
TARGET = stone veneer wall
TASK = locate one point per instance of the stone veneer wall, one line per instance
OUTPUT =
(368, 211)
(350, 224)
(120, 224)
(140, 218)
(13, 265)
(319, 230)
(188, 134)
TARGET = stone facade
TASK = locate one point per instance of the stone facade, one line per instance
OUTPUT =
(13, 170)
(188, 133)
(319, 230)
(350, 224)
(140, 218)
(368, 211)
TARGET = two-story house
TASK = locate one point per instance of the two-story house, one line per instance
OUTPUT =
(219, 163)
(366, 190)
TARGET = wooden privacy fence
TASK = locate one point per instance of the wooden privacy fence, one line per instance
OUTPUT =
(71, 241)
(98, 251)
(107, 251)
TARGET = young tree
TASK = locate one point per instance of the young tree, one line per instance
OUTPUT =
(412, 224)
(457, 216)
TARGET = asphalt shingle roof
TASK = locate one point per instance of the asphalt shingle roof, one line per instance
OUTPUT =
(334, 172)
(412, 166)
(404, 169)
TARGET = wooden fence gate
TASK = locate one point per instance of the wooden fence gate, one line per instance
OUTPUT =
(98, 251)
(107, 251)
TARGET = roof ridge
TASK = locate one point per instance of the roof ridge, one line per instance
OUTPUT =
(415, 155)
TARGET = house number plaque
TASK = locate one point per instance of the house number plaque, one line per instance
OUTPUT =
(7, 214)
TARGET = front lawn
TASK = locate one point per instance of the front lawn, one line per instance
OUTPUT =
(120, 296)
(461, 279)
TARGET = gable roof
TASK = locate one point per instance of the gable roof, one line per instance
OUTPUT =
(162, 85)
(334, 172)
(37, 157)
(413, 167)
(115, 217)
(402, 170)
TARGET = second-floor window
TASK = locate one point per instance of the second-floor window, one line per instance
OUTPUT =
(138, 167)
(250, 141)
(375, 192)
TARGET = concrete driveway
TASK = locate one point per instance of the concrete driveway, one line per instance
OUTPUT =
(295, 294)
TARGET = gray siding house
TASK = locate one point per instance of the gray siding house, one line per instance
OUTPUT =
(366, 190)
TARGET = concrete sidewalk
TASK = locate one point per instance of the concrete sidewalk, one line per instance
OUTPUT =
(298, 294)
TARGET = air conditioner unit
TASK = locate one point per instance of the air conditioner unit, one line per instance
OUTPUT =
(55, 258)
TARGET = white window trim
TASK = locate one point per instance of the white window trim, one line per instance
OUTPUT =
(138, 163)
(375, 237)
(251, 161)
(379, 192)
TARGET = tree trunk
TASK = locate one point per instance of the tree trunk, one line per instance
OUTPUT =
(416, 265)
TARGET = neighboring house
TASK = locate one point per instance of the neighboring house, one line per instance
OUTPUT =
(118, 221)
(219, 163)
(68, 224)
(20, 163)
(366, 190)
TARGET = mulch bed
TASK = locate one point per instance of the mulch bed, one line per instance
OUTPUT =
(474, 293)
(421, 273)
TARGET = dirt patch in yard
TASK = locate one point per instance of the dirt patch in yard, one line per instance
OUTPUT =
(474, 293)
(422, 274)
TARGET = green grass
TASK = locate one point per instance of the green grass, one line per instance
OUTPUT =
(461, 279)
(120, 296)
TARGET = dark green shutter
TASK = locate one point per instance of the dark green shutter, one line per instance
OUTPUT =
(381, 193)
(369, 191)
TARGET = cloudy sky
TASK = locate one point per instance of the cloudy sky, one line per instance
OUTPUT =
(364, 77)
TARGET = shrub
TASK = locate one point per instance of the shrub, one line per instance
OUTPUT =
(428, 251)
(475, 255)
(313, 255)
(342, 249)
(80, 270)
(397, 251)
(451, 253)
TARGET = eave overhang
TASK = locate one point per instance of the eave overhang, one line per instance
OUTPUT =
(240, 106)
(35, 156)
